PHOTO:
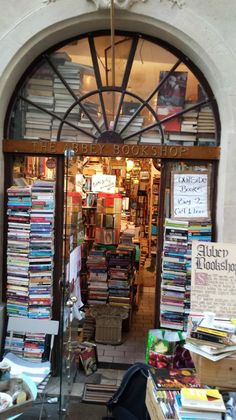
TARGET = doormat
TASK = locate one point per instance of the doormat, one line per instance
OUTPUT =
(98, 394)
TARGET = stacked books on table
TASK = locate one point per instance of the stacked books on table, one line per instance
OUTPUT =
(214, 341)
(163, 386)
(205, 404)
(176, 394)
(97, 267)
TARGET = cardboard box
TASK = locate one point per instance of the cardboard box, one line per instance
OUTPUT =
(221, 374)
(6, 386)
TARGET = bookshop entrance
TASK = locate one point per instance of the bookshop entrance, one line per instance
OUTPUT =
(102, 186)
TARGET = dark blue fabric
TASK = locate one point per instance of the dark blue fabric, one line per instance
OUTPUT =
(128, 402)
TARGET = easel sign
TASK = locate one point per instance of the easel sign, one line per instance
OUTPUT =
(190, 195)
(213, 278)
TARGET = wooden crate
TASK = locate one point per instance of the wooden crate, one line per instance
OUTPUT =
(221, 374)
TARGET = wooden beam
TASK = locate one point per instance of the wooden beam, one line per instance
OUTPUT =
(40, 147)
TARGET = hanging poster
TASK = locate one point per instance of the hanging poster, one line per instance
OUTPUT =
(213, 282)
(190, 195)
(73, 279)
(104, 183)
(172, 91)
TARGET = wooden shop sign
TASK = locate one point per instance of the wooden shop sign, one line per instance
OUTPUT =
(108, 149)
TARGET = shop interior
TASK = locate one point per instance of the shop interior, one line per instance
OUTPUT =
(111, 205)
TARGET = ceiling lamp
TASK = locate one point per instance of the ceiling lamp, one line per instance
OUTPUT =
(129, 165)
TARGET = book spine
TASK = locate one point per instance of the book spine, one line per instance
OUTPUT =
(208, 337)
(212, 331)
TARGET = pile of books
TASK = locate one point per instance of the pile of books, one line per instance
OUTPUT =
(206, 121)
(30, 251)
(163, 387)
(178, 396)
(39, 91)
(18, 245)
(97, 279)
(214, 341)
(63, 99)
(176, 269)
(121, 274)
(132, 128)
(174, 274)
(108, 218)
(205, 404)
(41, 249)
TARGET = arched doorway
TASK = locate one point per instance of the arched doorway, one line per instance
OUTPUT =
(156, 103)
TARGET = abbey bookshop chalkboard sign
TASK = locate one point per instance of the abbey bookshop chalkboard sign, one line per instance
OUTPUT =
(190, 195)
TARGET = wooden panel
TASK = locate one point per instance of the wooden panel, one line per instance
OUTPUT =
(220, 374)
(108, 149)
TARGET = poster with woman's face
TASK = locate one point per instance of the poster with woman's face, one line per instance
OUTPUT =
(172, 92)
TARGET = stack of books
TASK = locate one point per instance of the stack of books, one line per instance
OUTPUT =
(18, 246)
(30, 250)
(39, 90)
(205, 404)
(214, 341)
(120, 276)
(174, 274)
(40, 262)
(151, 137)
(63, 98)
(163, 386)
(108, 219)
(97, 278)
(206, 121)
(189, 122)
(176, 269)
(41, 250)
(131, 129)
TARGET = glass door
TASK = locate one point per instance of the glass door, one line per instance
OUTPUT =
(71, 301)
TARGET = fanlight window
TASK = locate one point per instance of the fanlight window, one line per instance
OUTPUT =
(153, 95)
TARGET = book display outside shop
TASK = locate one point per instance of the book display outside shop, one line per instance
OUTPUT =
(124, 254)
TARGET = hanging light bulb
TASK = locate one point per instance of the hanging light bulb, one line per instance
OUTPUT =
(129, 165)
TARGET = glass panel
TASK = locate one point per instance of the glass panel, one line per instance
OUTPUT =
(38, 89)
(71, 301)
(104, 56)
(149, 61)
(73, 92)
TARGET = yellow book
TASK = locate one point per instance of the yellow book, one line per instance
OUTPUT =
(202, 400)
(200, 394)
(212, 331)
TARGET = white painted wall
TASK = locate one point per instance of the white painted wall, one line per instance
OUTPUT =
(205, 30)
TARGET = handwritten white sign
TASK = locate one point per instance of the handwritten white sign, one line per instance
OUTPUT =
(213, 279)
(104, 183)
(190, 195)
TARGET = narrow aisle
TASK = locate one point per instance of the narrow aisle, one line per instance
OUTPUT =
(133, 346)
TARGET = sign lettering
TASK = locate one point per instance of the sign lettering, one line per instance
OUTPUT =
(213, 282)
(190, 195)
(110, 149)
